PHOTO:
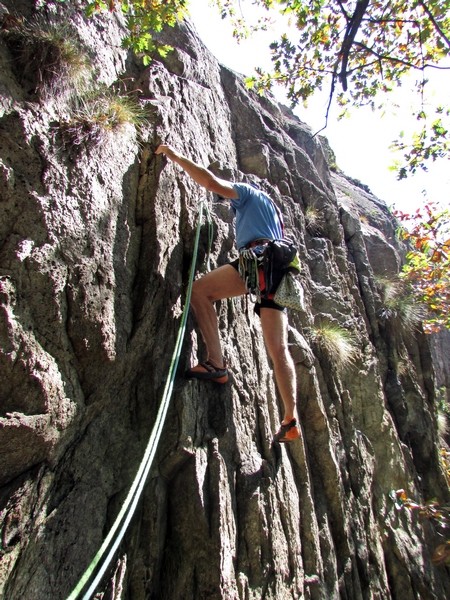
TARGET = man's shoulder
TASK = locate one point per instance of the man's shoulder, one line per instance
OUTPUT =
(247, 189)
(239, 185)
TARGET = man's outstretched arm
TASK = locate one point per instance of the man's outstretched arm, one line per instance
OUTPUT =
(199, 174)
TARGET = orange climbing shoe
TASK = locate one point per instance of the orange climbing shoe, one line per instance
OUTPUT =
(208, 372)
(288, 432)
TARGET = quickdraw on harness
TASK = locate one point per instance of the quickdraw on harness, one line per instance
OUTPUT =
(251, 259)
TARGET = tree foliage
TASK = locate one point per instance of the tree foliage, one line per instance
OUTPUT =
(427, 267)
(358, 50)
(432, 141)
(144, 18)
(438, 515)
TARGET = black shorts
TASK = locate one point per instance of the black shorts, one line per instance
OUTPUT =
(265, 302)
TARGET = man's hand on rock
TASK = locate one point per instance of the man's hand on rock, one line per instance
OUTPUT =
(164, 149)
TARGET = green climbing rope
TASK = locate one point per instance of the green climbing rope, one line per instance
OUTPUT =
(209, 222)
(126, 513)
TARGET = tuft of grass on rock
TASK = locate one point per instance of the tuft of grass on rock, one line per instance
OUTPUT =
(313, 220)
(47, 55)
(336, 342)
(399, 305)
(100, 113)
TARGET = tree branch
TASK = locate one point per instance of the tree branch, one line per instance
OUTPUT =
(349, 38)
(435, 24)
(393, 59)
(330, 99)
(344, 12)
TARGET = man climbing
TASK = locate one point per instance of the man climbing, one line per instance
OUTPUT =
(258, 221)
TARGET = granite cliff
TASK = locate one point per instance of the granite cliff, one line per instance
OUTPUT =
(95, 245)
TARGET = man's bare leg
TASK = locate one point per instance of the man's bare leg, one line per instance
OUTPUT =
(224, 282)
(274, 326)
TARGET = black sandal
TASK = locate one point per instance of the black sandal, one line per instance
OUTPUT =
(208, 372)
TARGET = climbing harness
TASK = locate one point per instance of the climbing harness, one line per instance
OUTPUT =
(126, 513)
(273, 258)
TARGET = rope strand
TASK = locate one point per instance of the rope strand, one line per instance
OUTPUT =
(129, 506)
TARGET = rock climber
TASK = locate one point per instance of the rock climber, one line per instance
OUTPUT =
(257, 222)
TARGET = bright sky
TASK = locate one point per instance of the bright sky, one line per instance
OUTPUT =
(361, 142)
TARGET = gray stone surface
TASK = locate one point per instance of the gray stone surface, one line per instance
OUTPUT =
(94, 255)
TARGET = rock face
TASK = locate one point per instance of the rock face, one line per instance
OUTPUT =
(96, 243)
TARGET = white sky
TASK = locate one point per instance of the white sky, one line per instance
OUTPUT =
(361, 142)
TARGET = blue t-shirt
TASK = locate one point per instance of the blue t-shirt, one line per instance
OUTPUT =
(256, 216)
